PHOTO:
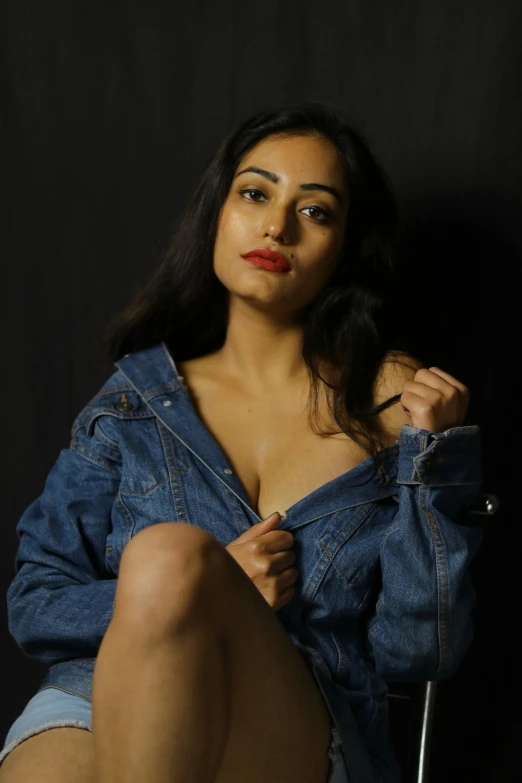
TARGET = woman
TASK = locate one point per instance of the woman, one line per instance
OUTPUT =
(261, 515)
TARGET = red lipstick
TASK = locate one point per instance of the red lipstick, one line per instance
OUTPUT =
(268, 259)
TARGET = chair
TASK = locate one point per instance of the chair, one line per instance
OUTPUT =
(411, 726)
(413, 746)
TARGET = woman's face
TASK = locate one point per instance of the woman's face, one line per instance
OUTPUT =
(271, 209)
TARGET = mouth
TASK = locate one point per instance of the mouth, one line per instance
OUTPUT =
(268, 259)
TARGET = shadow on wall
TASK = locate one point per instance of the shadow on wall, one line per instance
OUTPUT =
(457, 306)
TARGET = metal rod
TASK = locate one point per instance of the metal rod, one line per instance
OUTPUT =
(427, 725)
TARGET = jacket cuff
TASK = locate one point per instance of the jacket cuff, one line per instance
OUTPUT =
(439, 458)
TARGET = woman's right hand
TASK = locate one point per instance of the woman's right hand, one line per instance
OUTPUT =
(265, 555)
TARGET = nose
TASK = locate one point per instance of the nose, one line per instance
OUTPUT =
(277, 224)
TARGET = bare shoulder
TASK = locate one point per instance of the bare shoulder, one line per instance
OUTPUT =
(396, 368)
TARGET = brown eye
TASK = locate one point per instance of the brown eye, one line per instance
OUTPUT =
(323, 216)
(251, 190)
(324, 219)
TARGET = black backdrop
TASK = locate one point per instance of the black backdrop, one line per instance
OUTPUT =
(110, 112)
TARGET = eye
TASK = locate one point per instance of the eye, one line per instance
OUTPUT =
(251, 190)
(324, 219)
(325, 215)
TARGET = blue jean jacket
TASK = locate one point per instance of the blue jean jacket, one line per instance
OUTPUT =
(383, 591)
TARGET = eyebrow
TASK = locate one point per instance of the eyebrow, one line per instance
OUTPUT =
(306, 186)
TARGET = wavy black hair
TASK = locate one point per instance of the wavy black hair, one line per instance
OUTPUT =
(182, 303)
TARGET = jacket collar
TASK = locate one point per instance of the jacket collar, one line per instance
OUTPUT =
(154, 375)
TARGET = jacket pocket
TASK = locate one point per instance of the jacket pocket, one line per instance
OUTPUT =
(333, 553)
(348, 543)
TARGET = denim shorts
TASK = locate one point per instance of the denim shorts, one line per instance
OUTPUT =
(53, 707)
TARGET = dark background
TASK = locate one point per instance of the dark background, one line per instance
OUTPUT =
(110, 111)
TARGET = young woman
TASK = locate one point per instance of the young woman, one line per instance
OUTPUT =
(261, 516)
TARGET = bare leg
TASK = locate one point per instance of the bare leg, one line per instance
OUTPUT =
(161, 701)
(196, 680)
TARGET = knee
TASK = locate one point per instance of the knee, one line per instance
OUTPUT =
(165, 573)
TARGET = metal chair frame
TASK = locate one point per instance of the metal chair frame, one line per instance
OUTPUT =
(484, 505)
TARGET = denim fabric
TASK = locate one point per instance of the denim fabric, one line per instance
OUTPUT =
(383, 591)
(53, 708)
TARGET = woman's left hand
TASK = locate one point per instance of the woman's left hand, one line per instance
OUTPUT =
(435, 400)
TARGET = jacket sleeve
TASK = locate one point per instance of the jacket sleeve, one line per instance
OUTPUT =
(61, 599)
(422, 625)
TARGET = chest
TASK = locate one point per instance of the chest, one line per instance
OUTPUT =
(272, 448)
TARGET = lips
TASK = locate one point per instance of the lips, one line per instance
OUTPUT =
(276, 260)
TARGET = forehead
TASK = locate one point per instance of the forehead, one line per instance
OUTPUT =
(304, 158)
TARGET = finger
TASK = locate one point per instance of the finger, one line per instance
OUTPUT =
(283, 560)
(284, 597)
(430, 380)
(419, 409)
(449, 378)
(287, 578)
(279, 563)
(432, 394)
(276, 540)
(433, 381)
(417, 402)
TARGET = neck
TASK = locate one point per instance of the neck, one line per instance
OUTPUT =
(263, 350)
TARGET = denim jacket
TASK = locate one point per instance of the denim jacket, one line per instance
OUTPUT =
(383, 591)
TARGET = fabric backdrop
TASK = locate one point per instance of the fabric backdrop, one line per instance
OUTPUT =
(110, 111)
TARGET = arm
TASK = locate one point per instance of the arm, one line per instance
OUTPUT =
(61, 600)
(422, 626)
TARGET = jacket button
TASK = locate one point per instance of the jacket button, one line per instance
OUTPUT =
(227, 470)
(167, 403)
(124, 404)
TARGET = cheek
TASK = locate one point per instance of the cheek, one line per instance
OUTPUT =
(231, 229)
(230, 242)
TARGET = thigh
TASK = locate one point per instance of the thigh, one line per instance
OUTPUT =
(280, 728)
(50, 742)
(280, 723)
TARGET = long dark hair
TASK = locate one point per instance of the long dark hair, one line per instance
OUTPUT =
(181, 301)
